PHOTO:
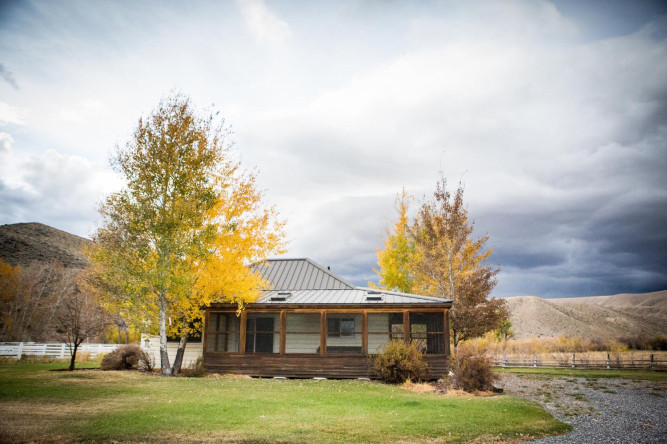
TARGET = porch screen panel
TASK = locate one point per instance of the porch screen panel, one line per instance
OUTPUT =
(302, 334)
(344, 333)
(262, 333)
(223, 332)
(382, 328)
(427, 332)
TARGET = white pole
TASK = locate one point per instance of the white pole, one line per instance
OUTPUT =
(20, 351)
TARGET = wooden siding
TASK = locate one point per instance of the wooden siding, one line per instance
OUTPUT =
(305, 366)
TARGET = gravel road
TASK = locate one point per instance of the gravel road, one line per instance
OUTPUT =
(599, 410)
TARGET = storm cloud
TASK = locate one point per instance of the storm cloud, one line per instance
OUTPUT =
(553, 118)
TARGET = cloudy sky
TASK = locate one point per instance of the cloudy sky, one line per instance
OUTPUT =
(553, 115)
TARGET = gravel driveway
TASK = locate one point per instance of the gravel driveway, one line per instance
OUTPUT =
(599, 410)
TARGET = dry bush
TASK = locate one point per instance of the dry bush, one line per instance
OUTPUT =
(543, 346)
(127, 357)
(657, 343)
(399, 362)
(472, 369)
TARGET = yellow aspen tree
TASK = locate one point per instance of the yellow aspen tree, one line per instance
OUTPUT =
(161, 230)
(397, 251)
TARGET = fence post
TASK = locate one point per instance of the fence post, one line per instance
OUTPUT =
(535, 360)
(573, 360)
(651, 367)
(608, 362)
(62, 351)
(20, 351)
(504, 361)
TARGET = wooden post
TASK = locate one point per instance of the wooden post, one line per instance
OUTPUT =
(651, 367)
(283, 330)
(608, 362)
(447, 338)
(323, 333)
(19, 352)
(504, 364)
(204, 338)
(242, 332)
(364, 332)
(573, 360)
(406, 326)
(535, 360)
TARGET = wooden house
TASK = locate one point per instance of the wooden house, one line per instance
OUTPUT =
(313, 323)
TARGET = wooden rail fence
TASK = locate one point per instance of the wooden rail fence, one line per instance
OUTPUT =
(581, 363)
(58, 350)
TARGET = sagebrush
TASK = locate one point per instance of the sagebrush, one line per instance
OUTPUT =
(399, 362)
(472, 370)
(127, 357)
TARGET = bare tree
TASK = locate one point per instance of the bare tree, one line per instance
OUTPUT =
(29, 296)
(80, 316)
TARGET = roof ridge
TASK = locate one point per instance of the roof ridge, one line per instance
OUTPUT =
(330, 273)
(327, 280)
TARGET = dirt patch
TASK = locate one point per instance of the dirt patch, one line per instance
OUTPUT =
(434, 387)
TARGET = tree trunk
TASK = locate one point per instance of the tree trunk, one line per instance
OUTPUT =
(178, 360)
(164, 356)
(456, 340)
(71, 362)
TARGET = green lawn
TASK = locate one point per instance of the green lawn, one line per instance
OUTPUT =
(37, 404)
(643, 375)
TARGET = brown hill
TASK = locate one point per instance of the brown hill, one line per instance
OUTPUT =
(21, 244)
(618, 316)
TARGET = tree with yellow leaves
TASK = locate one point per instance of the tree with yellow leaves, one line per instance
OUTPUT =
(442, 260)
(397, 251)
(179, 235)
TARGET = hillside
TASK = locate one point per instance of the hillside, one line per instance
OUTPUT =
(614, 316)
(23, 243)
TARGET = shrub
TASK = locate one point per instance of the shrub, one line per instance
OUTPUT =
(399, 362)
(127, 357)
(472, 370)
(658, 343)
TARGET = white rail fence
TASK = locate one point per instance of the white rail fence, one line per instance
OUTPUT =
(58, 350)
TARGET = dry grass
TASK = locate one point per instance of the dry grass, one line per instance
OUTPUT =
(609, 317)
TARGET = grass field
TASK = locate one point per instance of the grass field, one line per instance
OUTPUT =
(642, 375)
(90, 405)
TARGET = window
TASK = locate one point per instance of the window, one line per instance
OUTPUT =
(427, 332)
(337, 327)
(382, 328)
(344, 333)
(223, 332)
(261, 335)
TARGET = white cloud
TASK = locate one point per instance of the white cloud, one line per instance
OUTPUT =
(12, 114)
(60, 190)
(6, 142)
(263, 23)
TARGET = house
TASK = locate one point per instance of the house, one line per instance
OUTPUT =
(313, 323)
